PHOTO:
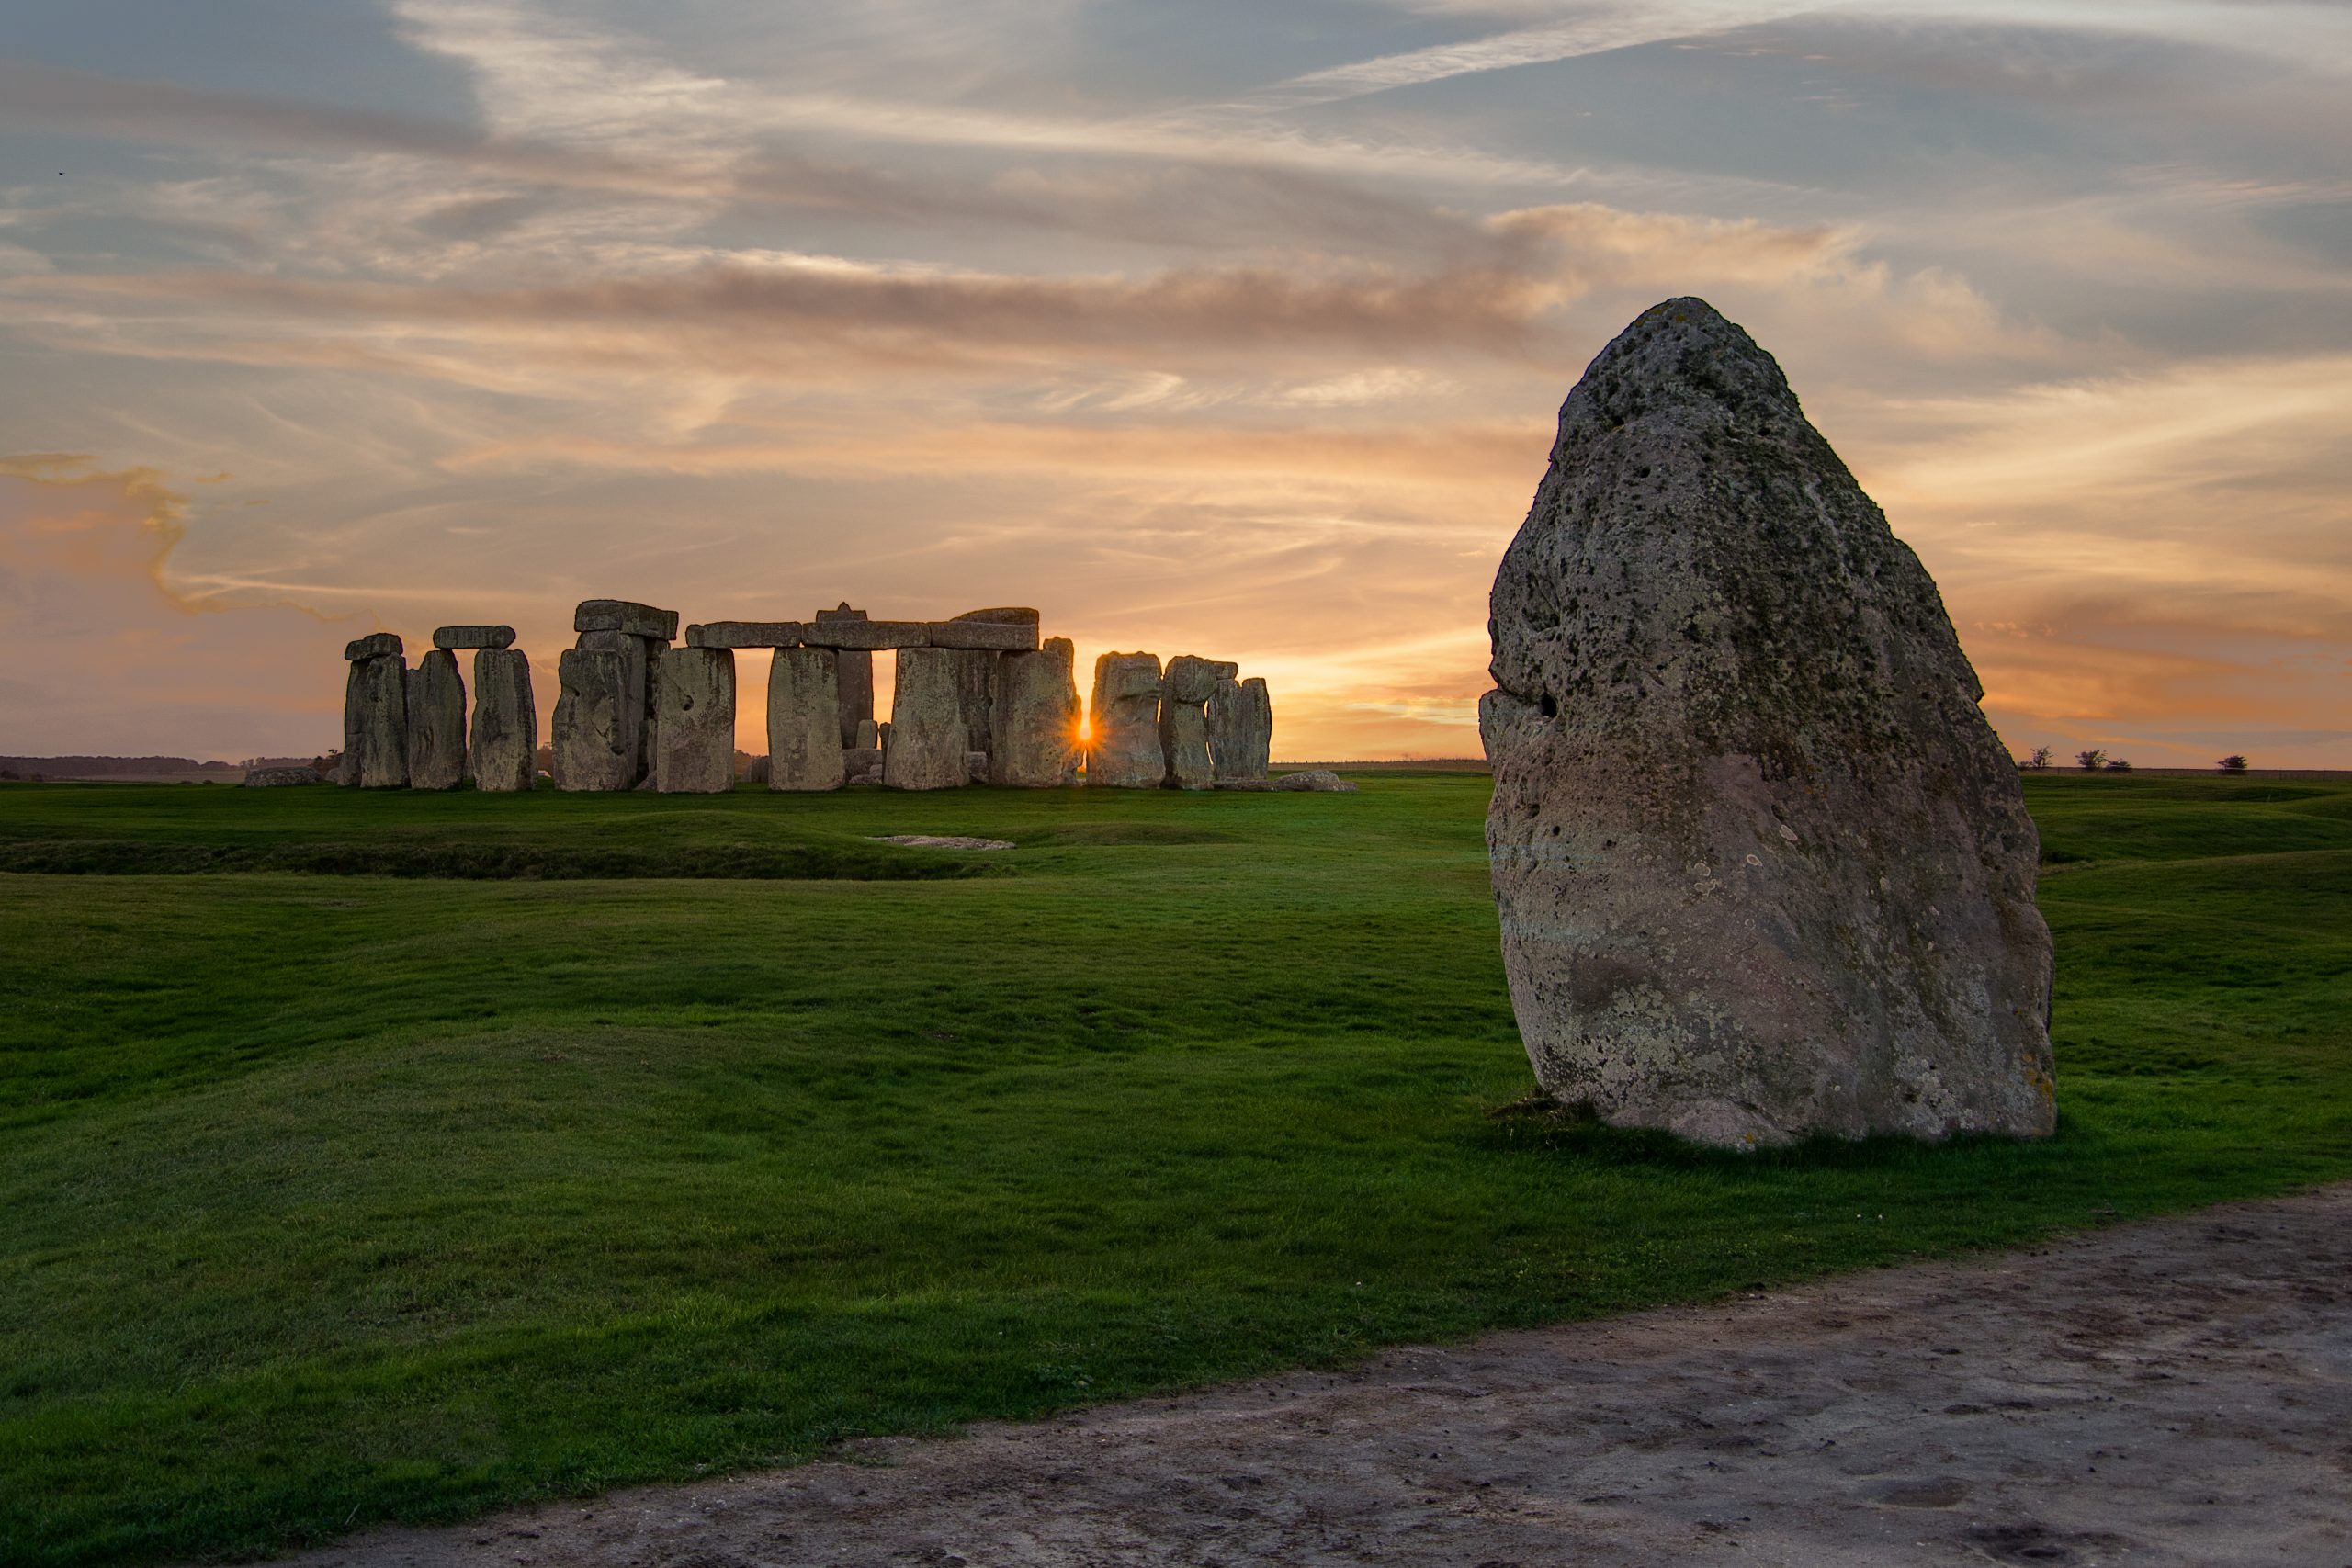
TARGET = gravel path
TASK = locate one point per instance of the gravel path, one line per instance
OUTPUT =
(2173, 1391)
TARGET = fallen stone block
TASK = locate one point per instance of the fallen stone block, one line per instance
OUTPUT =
(281, 778)
(473, 636)
(1315, 779)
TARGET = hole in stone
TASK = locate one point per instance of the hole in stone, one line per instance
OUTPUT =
(1551, 707)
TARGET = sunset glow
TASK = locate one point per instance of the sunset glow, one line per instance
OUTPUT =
(1218, 330)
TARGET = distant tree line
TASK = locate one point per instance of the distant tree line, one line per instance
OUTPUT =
(2096, 760)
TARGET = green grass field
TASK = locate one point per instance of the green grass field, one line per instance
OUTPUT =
(330, 1197)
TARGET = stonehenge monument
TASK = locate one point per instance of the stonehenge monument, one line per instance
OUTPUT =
(1763, 869)
(979, 698)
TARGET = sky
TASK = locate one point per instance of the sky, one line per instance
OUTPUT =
(1217, 328)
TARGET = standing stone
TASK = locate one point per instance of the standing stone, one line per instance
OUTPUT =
(693, 729)
(803, 719)
(975, 691)
(1762, 867)
(869, 736)
(507, 721)
(436, 723)
(1255, 728)
(1224, 712)
(854, 677)
(590, 742)
(1122, 750)
(926, 748)
(1032, 741)
(1183, 721)
(375, 714)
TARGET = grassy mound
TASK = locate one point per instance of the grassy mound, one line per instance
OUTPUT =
(331, 1199)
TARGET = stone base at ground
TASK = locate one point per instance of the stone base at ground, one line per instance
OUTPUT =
(804, 721)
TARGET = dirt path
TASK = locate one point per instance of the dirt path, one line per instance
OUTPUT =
(2177, 1392)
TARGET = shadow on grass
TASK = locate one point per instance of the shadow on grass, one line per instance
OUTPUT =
(1538, 1125)
(492, 862)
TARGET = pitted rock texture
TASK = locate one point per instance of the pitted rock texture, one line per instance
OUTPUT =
(1184, 691)
(633, 704)
(436, 723)
(1314, 780)
(1763, 869)
(505, 749)
(693, 729)
(1241, 729)
(804, 719)
(1034, 718)
(590, 736)
(926, 747)
(975, 695)
(1123, 717)
(375, 721)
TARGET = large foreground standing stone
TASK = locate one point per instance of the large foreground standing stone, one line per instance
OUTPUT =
(436, 723)
(593, 749)
(926, 748)
(375, 714)
(1123, 720)
(1241, 729)
(804, 719)
(1184, 693)
(693, 729)
(1034, 714)
(1762, 867)
(504, 752)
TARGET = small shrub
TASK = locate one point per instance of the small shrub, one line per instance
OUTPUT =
(2233, 763)
(2118, 765)
(2090, 762)
(2038, 761)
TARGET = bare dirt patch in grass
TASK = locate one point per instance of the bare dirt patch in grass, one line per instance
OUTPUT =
(2171, 1392)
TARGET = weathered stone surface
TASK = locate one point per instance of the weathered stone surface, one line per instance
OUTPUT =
(1123, 720)
(804, 721)
(1763, 869)
(436, 723)
(1034, 716)
(1183, 721)
(975, 695)
(976, 767)
(506, 739)
(1241, 729)
(747, 634)
(591, 736)
(280, 778)
(375, 723)
(634, 706)
(375, 645)
(861, 765)
(867, 737)
(1003, 616)
(693, 730)
(999, 637)
(1322, 779)
(755, 772)
(926, 748)
(868, 636)
(882, 735)
(627, 616)
(473, 636)
(854, 672)
(1224, 708)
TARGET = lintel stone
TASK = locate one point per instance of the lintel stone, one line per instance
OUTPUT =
(748, 634)
(376, 645)
(625, 615)
(473, 636)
